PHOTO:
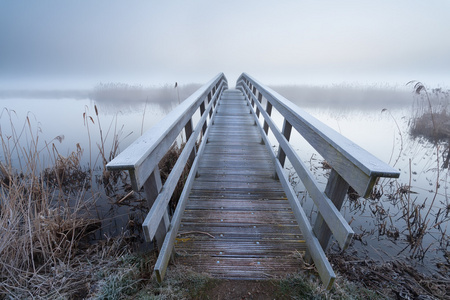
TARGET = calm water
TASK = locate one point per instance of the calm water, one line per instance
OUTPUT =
(382, 128)
(354, 112)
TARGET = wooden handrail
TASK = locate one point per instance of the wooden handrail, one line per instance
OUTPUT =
(154, 216)
(142, 157)
(357, 166)
(351, 166)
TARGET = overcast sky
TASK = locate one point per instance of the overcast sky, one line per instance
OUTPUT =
(68, 43)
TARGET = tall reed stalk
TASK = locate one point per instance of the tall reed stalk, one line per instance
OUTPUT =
(41, 227)
(423, 217)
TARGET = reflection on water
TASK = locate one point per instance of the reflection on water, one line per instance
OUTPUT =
(377, 119)
(114, 97)
(341, 97)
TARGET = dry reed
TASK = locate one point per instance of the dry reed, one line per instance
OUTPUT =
(42, 226)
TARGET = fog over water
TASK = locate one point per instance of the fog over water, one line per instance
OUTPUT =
(77, 44)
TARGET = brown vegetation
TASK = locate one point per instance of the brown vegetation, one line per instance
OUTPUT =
(165, 166)
(393, 279)
(43, 226)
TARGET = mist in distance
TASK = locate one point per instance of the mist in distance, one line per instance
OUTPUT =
(115, 96)
(346, 96)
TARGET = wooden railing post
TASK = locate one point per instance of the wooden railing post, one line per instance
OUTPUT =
(202, 111)
(209, 97)
(209, 100)
(259, 100)
(188, 129)
(152, 187)
(336, 190)
(287, 129)
(269, 112)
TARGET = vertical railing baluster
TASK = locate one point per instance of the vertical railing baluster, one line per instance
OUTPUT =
(269, 112)
(202, 111)
(287, 129)
(209, 100)
(336, 189)
(188, 129)
(259, 100)
(216, 103)
(152, 187)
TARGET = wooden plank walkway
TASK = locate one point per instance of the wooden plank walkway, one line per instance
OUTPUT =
(238, 223)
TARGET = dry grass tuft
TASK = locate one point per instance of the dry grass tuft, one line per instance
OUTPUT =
(165, 166)
(42, 225)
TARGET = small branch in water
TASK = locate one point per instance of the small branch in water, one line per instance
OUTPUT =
(125, 197)
(200, 232)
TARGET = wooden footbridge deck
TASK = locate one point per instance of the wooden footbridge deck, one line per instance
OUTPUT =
(238, 216)
(235, 199)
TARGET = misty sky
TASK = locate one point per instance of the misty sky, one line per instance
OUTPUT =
(69, 43)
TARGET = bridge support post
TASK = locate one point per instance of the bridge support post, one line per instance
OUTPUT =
(209, 100)
(259, 100)
(188, 129)
(202, 111)
(269, 112)
(152, 187)
(286, 131)
(336, 190)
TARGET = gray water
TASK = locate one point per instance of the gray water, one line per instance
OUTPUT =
(375, 118)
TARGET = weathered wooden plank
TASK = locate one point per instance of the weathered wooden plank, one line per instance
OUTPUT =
(233, 178)
(237, 186)
(255, 217)
(194, 246)
(237, 194)
(287, 231)
(238, 154)
(336, 190)
(206, 172)
(152, 187)
(236, 149)
(245, 268)
(236, 205)
(235, 164)
(256, 159)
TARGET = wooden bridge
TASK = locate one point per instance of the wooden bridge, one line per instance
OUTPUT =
(238, 216)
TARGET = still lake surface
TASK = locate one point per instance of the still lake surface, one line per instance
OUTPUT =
(376, 118)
